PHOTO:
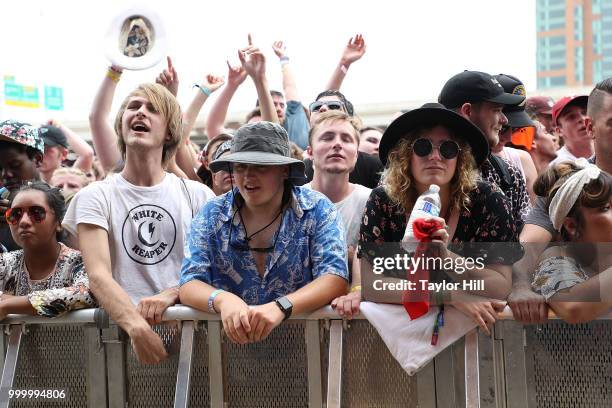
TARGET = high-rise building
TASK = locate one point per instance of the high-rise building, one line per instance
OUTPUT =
(574, 42)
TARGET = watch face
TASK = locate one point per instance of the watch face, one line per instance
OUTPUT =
(284, 303)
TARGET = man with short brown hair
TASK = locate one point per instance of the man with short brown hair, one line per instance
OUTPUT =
(333, 146)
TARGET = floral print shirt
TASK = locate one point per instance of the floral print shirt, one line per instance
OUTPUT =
(557, 273)
(487, 229)
(67, 288)
(516, 191)
(310, 244)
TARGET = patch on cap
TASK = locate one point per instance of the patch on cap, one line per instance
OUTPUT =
(519, 90)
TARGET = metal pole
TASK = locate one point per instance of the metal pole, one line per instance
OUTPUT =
(313, 353)
(215, 367)
(183, 375)
(10, 364)
(472, 375)
(334, 372)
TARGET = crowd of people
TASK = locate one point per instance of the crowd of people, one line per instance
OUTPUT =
(273, 219)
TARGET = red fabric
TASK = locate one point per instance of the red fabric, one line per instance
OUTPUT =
(422, 230)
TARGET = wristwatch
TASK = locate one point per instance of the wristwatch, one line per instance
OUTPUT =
(285, 306)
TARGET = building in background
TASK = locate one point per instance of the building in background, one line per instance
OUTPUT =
(574, 46)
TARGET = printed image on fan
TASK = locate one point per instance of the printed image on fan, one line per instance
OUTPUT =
(136, 37)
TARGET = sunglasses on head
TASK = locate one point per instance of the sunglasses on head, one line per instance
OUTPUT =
(36, 213)
(424, 147)
(331, 105)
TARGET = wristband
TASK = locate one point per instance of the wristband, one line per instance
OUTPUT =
(211, 300)
(204, 89)
(113, 74)
(284, 60)
(343, 68)
(355, 289)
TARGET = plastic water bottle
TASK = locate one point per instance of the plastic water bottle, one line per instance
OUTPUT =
(426, 206)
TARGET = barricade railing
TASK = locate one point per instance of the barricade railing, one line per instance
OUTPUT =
(114, 378)
(312, 360)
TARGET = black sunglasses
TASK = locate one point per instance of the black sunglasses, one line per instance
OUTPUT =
(332, 105)
(424, 147)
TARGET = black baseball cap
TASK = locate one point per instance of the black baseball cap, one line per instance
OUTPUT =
(473, 87)
(517, 117)
(53, 136)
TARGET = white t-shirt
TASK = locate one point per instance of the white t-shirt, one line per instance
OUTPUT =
(146, 226)
(351, 210)
(563, 155)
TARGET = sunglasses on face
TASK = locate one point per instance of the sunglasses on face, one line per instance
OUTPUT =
(331, 105)
(448, 149)
(36, 213)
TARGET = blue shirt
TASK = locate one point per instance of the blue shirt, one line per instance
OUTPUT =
(296, 124)
(310, 244)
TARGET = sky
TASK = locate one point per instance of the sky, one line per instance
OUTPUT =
(413, 47)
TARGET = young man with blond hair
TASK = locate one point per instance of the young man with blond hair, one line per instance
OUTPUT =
(131, 227)
(333, 146)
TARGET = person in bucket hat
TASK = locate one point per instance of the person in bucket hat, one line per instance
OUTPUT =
(262, 143)
(269, 243)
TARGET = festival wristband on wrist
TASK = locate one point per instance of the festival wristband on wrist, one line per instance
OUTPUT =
(113, 74)
(211, 300)
(284, 60)
(356, 288)
(204, 89)
(344, 69)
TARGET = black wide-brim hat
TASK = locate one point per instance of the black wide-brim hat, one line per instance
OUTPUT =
(265, 144)
(431, 115)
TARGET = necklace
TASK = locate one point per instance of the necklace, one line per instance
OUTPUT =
(247, 247)
(249, 237)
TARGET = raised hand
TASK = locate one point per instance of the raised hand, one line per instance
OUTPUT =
(169, 78)
(235, 75)
(279, 49)
(253, 60)
(354, 50)
(213, 82)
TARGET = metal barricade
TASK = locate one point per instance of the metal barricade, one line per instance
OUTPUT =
(310, 361)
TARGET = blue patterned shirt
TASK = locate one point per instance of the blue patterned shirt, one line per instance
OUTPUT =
(310, 244)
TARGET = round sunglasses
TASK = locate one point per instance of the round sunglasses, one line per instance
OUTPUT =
(424, 147)
(36, 213)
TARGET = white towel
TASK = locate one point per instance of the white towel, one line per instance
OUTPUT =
(409, 341)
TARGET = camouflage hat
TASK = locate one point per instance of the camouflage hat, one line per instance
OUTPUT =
(22, 133)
